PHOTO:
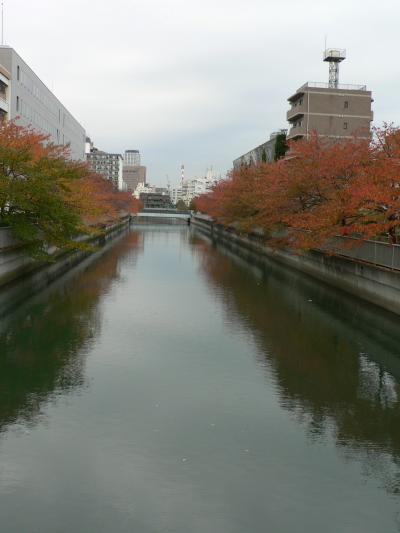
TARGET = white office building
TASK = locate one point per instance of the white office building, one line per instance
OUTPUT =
(26, 99)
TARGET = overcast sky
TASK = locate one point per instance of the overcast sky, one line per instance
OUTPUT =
(199, 82)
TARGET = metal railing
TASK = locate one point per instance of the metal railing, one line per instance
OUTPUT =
(377, 253)
(341, 86)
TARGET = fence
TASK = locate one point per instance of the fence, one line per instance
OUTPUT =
(380, 254)
(375, 252)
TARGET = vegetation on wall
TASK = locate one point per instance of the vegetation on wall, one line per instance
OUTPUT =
(281, 146)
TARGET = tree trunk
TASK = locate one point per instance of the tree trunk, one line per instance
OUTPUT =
(392, 235)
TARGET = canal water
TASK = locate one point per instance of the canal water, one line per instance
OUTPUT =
(170, 387)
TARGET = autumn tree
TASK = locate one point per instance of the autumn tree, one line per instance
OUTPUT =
(321, 189)
(46, 198)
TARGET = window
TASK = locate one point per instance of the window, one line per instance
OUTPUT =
(345, 125)
(17, 103)
(346, 104)
(301, 101)
(18, 72)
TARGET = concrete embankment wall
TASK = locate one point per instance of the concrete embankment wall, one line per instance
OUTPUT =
(20, 275)
(377, 285)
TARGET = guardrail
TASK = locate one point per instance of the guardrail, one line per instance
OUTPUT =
(340, 86)
(377, 253)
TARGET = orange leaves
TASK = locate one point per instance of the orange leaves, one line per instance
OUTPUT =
(98, 202)
(322, 188)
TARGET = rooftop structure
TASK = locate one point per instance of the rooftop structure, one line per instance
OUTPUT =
(334, 56)
(132, 158)
(330, 109)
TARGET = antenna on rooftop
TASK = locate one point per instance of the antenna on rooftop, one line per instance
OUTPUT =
(334, 56)
(2, 23)
(182, 174)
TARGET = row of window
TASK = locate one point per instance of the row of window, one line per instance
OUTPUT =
(29, 84)
(104, 156)
(36, 119)
(300, 102)
(63, 117)
(39, 123)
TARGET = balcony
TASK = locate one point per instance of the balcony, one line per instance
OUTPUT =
(4, 106)
(296, 112)
(297, 132)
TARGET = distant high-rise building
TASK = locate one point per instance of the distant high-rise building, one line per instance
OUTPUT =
(133, 175)
(330, 109)
(108, 165)
(132, 158)
(26, 99)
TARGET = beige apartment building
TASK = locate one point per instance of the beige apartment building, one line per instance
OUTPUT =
(330, 109)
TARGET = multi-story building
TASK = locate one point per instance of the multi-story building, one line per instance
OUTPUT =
(330, 109)
(154, 200)
(31, 103)
(133, 175)
(264, 153)
(133, 172)
(192, 188)
(5, 78)
(108, 165)
(132, 158)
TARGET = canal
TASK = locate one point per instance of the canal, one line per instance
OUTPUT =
(170, 387)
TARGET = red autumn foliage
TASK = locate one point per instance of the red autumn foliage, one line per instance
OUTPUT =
(99, 203)
(320, 190)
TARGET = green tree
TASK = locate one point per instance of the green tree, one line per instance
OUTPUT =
(181, 206)
(281, 146)
(264, 156)
(34, 190)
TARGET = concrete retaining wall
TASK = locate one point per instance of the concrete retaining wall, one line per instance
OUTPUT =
(378, 285)
(14, 263)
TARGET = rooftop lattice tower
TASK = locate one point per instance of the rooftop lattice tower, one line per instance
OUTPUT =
(334, 56)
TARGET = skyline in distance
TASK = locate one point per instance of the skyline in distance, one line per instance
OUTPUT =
(197, 84)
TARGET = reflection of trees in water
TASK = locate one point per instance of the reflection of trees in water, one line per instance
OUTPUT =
(322, 376)
(44, 343)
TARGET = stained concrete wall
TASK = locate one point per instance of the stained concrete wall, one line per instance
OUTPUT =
(16, 264)
(377, 285)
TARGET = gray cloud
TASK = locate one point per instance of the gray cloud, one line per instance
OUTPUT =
(198, 82)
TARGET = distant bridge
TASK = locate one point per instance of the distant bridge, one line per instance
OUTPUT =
(161, 215)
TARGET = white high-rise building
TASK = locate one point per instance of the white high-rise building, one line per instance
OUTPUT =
(194, 187)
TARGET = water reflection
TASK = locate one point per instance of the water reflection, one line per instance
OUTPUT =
(43, 344)
(334, 360)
